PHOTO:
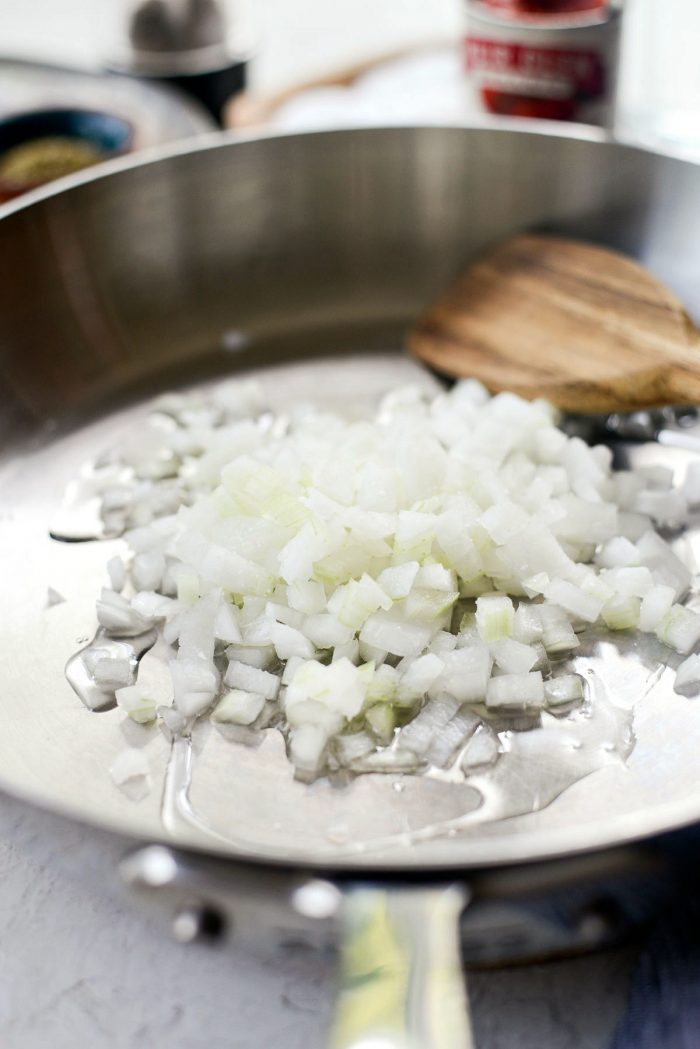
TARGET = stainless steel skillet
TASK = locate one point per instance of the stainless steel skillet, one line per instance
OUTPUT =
(305, 258)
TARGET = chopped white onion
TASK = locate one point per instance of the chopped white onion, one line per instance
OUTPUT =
(494, 616)
(112, 671)
(618, 553)
(250, 679)
(394, 635)
(668, 509)
(564, 689)
(116, 615)
(326, 631)
(527, 624)
(557, 633)
(340, 686)
(392, 760)
(350, 650)
(226, 625)
(397, 580)
(195, 684)
(238, 707)
(381, 720)
(481, 751)
(453, 735)
(152, 605)
(691, 484)
(136, 701)
(687, 680)
(289, 642)
(573, 600)
(665, 566)
(147, 570)
(466, 673)
(512, 657)
(516, 692)
(351, 747)
(418, 677)
(117, 573)
(129, 764)
(260, 656)
(622, 612)
(359, 573)
(174, 721)
(628, 581)
(307, 596)
(383, 687)
(307, 745)
(655, 604)
(428, 723)
(679, 628)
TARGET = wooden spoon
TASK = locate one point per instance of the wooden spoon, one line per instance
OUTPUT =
(581, 325)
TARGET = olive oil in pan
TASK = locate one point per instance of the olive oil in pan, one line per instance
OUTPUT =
(93, 694)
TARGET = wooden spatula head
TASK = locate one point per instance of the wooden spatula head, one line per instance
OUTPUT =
(583, 326)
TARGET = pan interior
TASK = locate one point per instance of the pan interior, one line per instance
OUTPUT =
(628, 767)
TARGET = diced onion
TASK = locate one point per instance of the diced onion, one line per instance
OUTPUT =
(494, 616)
(238, 707)
(366, 583)
(687, 679)
(564, 689)
(137, 703)
(516, 692)
(242, 676)
(129, 764)
(679, 628)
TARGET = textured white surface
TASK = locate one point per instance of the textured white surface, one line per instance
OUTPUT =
(80, 966)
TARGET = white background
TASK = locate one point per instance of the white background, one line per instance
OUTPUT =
(298, 39)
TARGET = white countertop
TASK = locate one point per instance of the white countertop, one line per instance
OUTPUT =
(81, 966)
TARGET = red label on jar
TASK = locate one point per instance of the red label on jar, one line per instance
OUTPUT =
(546, 7)
(555, 73)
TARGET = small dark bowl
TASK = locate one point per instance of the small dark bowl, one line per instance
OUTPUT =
(111, 135)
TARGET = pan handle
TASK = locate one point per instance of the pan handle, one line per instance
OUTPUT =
(401, 980)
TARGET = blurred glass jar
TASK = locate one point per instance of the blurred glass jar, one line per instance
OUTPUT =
(178, 36)
(201, 46)
(659, 101)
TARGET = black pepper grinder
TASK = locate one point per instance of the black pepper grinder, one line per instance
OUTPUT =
(187, 43)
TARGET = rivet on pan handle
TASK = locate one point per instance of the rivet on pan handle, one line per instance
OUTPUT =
(401, 979)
